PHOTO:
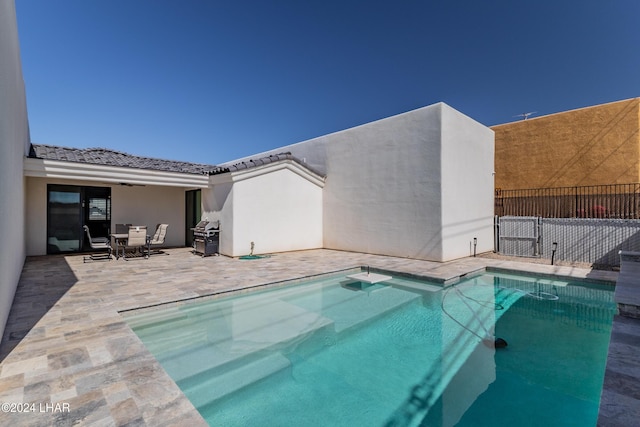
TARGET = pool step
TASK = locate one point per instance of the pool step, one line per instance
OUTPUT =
(228, 342)
(235, 374)
(213, 353)
(213, 387)
(368, 306)
(231, 340)
(362, 304)
(192, 327)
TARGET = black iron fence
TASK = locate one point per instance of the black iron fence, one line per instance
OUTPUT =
(594, 201)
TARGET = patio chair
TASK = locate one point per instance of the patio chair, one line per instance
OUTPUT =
(158, 238)
(137, 240)
(97, 244)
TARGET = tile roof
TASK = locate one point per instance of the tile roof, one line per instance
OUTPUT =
(262, 161)
(103, 156)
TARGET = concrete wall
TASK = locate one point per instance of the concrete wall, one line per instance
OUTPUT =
(137, 205)
(278, 210)
(385, 181)
(589, 146)
(14, 145)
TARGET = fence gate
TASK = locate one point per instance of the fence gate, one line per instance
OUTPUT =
(518, 235)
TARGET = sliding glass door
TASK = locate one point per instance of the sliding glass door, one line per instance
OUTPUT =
(69, 207)
(97, 211)
(64, 219)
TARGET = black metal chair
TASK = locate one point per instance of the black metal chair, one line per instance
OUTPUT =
(97, 244)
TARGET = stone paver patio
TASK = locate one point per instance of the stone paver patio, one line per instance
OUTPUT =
(66, 343)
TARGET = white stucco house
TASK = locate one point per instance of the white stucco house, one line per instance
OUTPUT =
(417, 185)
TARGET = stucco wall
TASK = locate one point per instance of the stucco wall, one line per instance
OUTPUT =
(467, 185)
(384, 188)
(278, 210)
(589, 146)
(151, 205)
(137, 205)
(14, 145)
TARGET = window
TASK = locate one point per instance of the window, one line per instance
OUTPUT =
(99, 209)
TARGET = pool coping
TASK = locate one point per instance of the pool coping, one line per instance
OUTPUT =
(620, 398)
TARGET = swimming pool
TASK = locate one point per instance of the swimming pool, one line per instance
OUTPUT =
(334, 351)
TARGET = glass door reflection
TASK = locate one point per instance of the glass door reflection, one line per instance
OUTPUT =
(64, 219)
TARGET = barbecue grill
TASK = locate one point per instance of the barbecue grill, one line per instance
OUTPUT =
(206, 238)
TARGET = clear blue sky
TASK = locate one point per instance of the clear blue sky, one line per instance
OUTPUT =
(211, 81)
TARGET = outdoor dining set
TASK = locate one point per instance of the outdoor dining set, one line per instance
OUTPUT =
(127, 238)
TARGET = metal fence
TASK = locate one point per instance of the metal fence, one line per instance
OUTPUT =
(518, 235)
(595, 241)
(620, 201)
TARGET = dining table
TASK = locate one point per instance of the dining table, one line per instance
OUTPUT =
(119, 239)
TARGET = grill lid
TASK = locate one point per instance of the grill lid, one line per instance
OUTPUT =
(201, 225)
(205, 226)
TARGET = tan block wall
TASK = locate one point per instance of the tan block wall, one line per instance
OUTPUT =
(590, 146)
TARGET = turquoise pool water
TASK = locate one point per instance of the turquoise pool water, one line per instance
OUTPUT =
(400, 353)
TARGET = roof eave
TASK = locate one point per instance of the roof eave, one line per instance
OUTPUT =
(286, 164)
(42, 168)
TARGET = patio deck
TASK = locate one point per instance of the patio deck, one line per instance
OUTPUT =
(66, 343)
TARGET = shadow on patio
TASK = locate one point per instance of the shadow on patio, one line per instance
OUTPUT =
(43, 282)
